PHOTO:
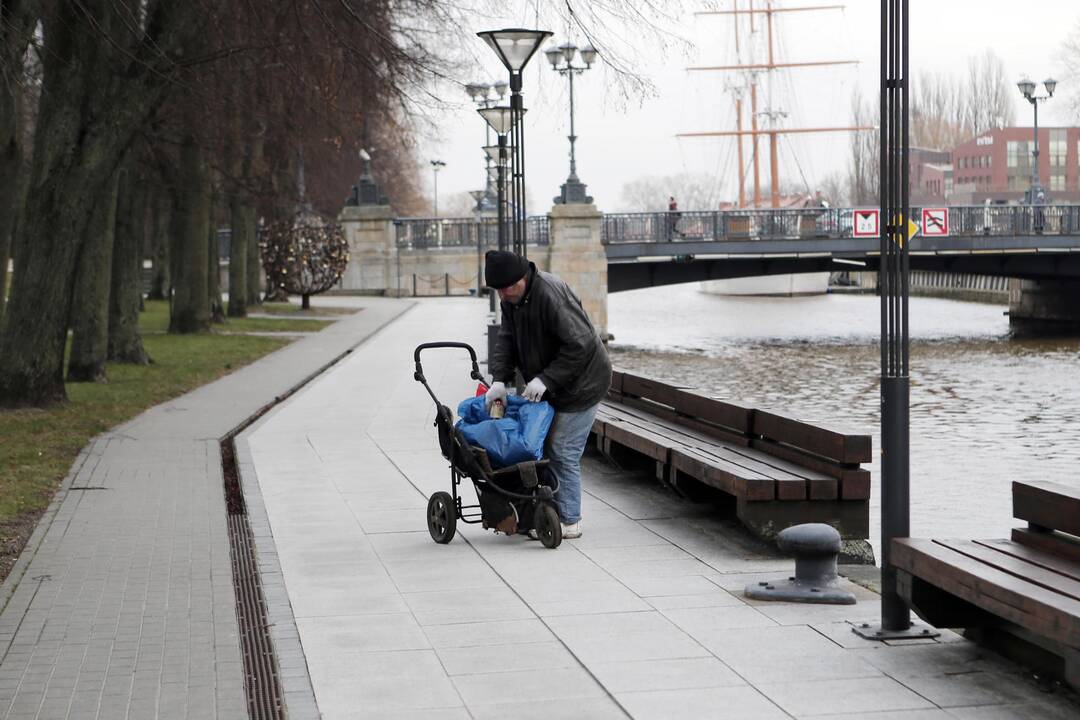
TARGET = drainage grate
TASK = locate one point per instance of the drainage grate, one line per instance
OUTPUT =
(262, 682)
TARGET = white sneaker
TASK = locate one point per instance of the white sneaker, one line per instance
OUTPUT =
(571, 531)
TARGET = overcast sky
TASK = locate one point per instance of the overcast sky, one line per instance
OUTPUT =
(621, 140)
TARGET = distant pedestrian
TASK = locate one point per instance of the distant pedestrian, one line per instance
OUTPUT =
(673, 218)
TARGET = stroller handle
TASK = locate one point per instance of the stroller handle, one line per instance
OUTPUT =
(419, 374)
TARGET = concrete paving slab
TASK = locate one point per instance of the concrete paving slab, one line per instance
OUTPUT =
(721, 703)
(676, 674)
(864, 695)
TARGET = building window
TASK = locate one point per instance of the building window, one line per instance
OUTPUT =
(1057, 182)
(1058, 148)
(1018, 153)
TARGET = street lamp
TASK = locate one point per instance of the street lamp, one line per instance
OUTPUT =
(436, 165)
(1036, 194)
(515, 47)
(500, 119)
(562, 62)
(486, 95)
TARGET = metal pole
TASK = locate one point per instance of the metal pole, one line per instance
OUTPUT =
(1035, 153)
(500, 182)
(518, 174)
(573, 137)
(893, 281)
(435, 171)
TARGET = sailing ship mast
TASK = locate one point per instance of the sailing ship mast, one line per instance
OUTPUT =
(771, 65)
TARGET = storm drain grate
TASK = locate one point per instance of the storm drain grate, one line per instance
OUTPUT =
(261, 679)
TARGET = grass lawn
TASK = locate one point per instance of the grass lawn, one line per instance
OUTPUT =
(39, 445)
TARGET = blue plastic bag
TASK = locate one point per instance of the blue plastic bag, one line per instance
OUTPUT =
(517, 437)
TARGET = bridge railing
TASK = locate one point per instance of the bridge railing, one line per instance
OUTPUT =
(818, 223)
(432, 233)
(724, 225)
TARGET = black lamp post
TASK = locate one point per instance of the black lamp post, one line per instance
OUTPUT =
(515, 47)
(1036, 193)
(487, 95)
(500, 119)
(436, 166)
(562, 62)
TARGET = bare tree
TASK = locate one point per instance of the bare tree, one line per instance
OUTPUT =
(650, 194)
(862, 181)
(988, 101)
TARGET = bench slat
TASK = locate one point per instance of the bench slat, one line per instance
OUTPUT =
(1043, 612)
(655, 446)
(1047, 504)
(1054, 543)
(1016, 567)
(699, 405)
(722, 474)
(840, 447)
(1047, 560)
(649, 389)
(656, 412)
(791, 481)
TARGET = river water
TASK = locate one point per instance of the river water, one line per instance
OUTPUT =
(985, 409)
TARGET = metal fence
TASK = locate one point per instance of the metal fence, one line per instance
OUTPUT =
(720, 225)
(433, 233)
(827, 223)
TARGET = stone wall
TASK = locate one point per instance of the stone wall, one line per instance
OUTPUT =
(377, 266)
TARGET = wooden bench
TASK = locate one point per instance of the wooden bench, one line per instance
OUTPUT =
(780, 471)
(1021, 595)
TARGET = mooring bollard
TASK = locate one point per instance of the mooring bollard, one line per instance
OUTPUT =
(815, 547)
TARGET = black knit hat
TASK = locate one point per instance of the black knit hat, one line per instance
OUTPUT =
(502, 269)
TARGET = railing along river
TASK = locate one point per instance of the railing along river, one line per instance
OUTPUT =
(720, 225)
(483, 233)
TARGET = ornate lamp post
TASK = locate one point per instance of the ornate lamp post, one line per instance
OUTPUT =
(1036, 194)
(515, 47)
(562, 62)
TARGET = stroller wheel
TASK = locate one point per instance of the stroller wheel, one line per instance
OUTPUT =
(547, 525)
(442, 517)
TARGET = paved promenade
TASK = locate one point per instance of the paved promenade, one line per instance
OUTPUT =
(642, 617)
(123, 604)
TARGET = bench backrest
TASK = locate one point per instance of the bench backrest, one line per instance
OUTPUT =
(1047, 505)
(772, 433)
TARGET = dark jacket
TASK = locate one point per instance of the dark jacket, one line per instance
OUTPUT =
(549, 335)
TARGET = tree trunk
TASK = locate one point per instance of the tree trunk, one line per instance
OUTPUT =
(95, 94)
(190, 311)
(125, 342)
(243, 228)
(17, 18)
(213, 264)
(161, 282)
(305, 302)
(90, 306)
(254, 268)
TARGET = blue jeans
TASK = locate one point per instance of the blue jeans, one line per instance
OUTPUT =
(565, 446)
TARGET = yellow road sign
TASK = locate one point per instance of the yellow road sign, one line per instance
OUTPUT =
(911, 230)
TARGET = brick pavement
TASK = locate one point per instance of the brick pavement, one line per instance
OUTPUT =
(122, 605)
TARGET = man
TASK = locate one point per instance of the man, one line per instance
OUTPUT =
(546, 335)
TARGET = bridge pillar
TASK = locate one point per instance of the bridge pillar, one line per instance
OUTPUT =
(577, 256)
(369, 230)
(1044, 307)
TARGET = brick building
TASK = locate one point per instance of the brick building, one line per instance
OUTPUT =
(996, 166)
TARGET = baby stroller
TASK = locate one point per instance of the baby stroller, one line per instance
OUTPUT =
(512, 499)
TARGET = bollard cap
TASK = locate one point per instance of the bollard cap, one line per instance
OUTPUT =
(809, 539)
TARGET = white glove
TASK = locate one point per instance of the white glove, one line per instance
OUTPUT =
(497, 391)
(535, 390)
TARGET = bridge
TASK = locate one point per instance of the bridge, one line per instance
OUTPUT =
(1039, 245)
